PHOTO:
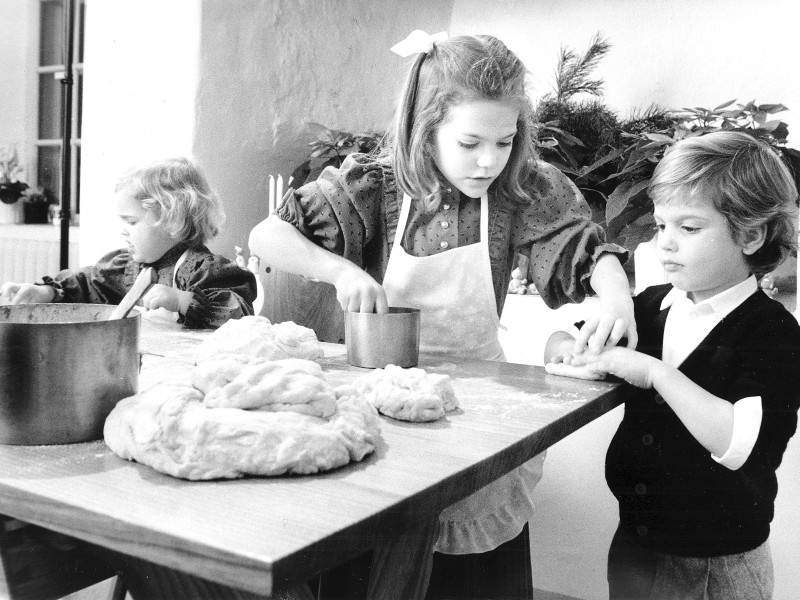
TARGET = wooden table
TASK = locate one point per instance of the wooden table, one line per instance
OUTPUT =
(264, 535)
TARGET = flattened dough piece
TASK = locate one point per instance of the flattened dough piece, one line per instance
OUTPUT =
(233, 381)
(258, 337)
(408, 394)
(170, 429)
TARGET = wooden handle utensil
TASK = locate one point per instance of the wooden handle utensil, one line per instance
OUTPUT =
(144, 281)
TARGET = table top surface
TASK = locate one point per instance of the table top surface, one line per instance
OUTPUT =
(258, 534)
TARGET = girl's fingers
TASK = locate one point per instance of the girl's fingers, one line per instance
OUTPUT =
(601, 335)
(582, 339)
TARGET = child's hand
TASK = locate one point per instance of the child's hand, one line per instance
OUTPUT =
(358, 292)
(574, 365)
(25, 293)
(614, 321)
(634, 367)
(166, 297)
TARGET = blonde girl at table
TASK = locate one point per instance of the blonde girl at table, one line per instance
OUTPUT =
(435, 223)
(168, 212)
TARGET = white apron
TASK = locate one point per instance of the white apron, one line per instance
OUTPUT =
(455, 294)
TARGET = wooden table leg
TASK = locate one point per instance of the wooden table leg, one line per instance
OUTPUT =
(39, 564)
(401, 565)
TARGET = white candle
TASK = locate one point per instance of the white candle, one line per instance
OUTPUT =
(279, 191)
(271, 194)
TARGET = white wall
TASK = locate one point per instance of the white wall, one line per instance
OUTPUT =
(141, 65)
(18, 80)
(676, 54)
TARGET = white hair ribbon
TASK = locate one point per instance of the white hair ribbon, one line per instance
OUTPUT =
(418, 41)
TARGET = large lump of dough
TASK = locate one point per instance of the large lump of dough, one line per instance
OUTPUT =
(408, 394)
(258, 337)
(237, 381)
(171, 429)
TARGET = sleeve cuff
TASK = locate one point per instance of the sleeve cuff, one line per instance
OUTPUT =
(47, 280)
(747, 414)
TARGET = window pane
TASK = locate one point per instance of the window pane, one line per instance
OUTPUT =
(78, 105)
(49, 169)
(49, 107)
(76, 198)
(80, 24)
(51, 44)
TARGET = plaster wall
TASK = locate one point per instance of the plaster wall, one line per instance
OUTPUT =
(270, 67)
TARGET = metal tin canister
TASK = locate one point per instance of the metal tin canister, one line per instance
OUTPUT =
(376, 340)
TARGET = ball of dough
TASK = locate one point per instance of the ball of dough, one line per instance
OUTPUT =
(258, 337)
(408, 394)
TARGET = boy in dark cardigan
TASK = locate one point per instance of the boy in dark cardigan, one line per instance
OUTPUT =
(718, 366)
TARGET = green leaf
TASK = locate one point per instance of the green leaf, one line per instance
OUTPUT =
(658, 137)
(724, 105)
(619, 198)
(772, 108)
(771, 125)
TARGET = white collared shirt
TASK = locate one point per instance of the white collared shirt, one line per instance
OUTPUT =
(687, 325)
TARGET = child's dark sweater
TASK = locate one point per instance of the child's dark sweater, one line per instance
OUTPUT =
(221, 290)
(673, 496)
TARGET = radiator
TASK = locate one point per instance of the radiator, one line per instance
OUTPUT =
(28, 252)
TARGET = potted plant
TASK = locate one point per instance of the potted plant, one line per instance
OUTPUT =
(611, 160)
(330, 148)
(11, 187)
(36, 206)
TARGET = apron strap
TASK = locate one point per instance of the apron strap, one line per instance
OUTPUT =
(405, 209)
(178, 264)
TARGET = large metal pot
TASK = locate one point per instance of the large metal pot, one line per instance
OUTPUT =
(63, 367)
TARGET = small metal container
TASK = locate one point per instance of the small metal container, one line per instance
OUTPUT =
(376, 340)
(63, 367)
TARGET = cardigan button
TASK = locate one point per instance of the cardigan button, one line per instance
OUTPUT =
(445, 224)
(659, 399)
(641, 530)
(647, 439)
(444, 245)
(446, 207)
(640, 489)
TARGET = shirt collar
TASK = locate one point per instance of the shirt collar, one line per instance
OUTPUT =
(170, 256)
(722, 303)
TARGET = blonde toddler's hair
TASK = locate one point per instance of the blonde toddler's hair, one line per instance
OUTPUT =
(177, 193)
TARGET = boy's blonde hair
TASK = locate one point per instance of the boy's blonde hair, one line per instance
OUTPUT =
(747, 182)
(176, 191)
(456, 70)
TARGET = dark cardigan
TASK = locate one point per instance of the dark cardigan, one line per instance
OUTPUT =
(673, 497)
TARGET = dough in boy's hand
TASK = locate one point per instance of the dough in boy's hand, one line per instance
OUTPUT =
(582, 372)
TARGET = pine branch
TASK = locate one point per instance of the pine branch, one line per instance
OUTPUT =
(573, 71)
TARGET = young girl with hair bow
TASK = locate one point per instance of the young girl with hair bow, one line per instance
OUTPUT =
(434, 223)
